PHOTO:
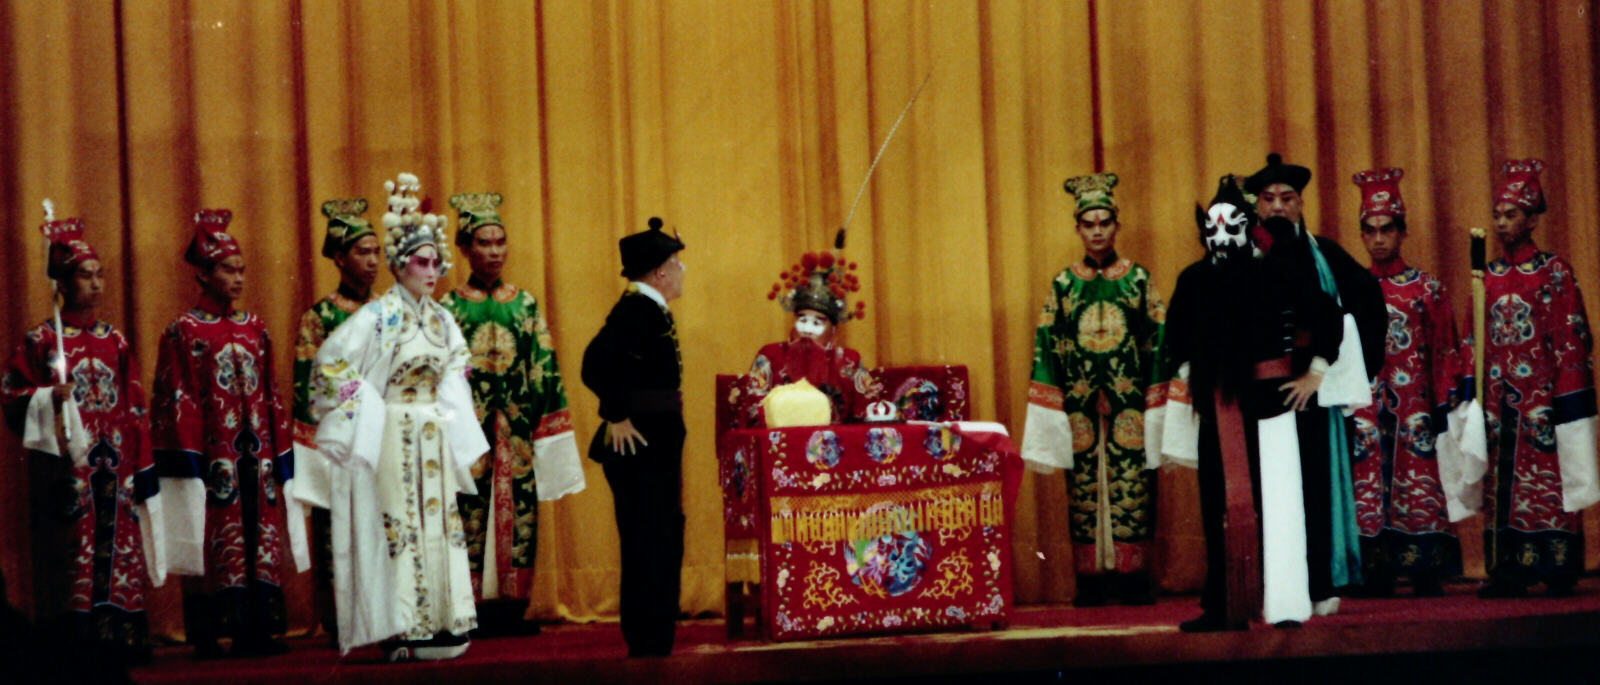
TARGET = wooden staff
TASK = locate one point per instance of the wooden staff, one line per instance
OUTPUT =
(1479, 295)
(1479, 309)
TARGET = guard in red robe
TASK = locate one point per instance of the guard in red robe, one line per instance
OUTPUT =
(224, 450)
(93, 495)
(1539, 402)
(1400, 497)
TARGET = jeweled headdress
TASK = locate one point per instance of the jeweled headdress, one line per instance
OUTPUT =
(1521, 185)
(476, 210)
(211, 243)
(1092, 192)
(820, 281)
(345, 224)
(68, 247)
(1380, 193)
(409, 228)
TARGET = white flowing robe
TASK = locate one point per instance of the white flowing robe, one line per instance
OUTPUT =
(377, 579)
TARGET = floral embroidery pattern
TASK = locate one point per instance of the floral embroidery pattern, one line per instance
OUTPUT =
(823, 449)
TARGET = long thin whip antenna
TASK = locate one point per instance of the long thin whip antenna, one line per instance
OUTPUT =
(875, 158)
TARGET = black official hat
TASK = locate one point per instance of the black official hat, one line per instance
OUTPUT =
(1276, 171)
(642, 252)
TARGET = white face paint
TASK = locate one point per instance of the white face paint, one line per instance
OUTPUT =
(810, 324)
(1225, 230)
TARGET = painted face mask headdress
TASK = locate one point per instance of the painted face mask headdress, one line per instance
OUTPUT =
(1225, 224)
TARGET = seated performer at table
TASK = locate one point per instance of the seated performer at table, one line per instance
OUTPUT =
(814, 290)
(396, 420)
(94, 483)
(1240, 329)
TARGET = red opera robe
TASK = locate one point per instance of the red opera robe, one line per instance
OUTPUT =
(834, 369)
(96, 553)
(1539, 402)
(224, 451)
(1400, 498)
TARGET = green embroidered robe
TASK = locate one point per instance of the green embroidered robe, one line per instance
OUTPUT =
(1095, 361)
(522, 404)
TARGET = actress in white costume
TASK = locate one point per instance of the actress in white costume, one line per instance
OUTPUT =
(395, 417)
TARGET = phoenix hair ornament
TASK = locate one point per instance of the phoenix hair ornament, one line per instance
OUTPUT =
(821, 281)
(408, 228)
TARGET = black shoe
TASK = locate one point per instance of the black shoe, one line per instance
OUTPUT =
(208, 650)
(1427, 586)
(1136, 590)
(1500, 589)
(1378, 588)
(1091, 591)
(648, 652)
(257, 646)
(1559, 589)
(1287, 625)
(1207, 623)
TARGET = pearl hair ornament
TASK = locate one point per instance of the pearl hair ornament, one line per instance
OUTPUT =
(407, 228)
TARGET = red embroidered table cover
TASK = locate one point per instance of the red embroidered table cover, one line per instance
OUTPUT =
(871, 528)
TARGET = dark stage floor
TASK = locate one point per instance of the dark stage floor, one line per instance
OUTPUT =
(1453, 639)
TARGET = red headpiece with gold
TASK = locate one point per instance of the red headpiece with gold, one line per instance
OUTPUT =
(68, 248)
(1380, 192)
(1521, 185)
(820, 281)
(211, 243)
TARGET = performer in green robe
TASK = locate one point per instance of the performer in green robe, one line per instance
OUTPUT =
(522, 404)
(1095, 357)
(354, 247)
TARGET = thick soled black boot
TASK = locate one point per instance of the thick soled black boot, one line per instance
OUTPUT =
(1208, 623)
(1500, 588)
(1091, 591)
(1136, 589)
(1427, 585)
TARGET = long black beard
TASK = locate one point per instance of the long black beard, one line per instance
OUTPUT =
(1229, 352)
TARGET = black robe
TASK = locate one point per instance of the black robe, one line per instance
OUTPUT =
(1361, 296)
(1222, 321)
(634, 366)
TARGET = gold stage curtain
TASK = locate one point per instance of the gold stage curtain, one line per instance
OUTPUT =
(747, 126)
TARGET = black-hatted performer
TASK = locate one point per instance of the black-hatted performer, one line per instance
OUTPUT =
(635, 367)
(1332, 538)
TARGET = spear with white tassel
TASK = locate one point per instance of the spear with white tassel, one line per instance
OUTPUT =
(60, 362)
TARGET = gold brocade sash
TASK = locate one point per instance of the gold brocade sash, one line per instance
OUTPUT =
(847, 518)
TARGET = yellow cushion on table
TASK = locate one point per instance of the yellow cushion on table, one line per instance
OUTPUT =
(797, 404)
